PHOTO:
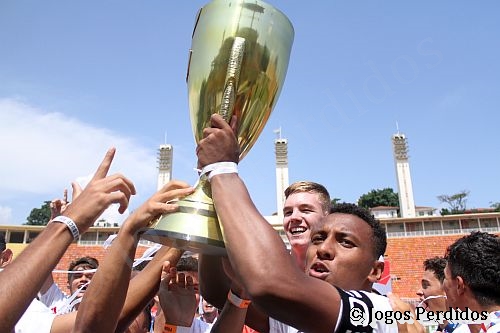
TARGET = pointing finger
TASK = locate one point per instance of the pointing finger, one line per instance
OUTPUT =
(103, 168)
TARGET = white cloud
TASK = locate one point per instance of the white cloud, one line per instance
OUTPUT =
(5, 214)
(42, 152)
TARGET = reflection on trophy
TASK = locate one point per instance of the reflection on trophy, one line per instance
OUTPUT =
(238, 62)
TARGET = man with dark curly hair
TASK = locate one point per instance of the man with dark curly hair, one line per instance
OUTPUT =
(432, 295)
(472, 277)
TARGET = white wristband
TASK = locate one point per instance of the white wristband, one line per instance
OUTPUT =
(219, 168)
(236, 301)
(69, 223)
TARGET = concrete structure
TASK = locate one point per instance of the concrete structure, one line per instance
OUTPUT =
(385, 212)
(282, 180)
(405, 190)
(165, 155)
(410, 242)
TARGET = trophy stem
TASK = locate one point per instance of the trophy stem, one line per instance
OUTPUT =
(193, 227)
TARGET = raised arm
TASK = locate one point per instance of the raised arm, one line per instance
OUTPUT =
(257, 253)
(214, 283)
(21, 280)
(101, 307)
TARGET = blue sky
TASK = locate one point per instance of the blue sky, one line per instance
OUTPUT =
(79, 77)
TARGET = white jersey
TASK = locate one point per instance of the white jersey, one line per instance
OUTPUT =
(55, 300)
(198, 326)
(362, 300)
(37, 318)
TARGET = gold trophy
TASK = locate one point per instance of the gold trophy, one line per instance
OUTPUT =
(238, 62)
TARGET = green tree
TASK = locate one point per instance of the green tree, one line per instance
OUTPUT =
(383, 197)
(39, 216)
(495, 205)
(335, 201)
(457, 202)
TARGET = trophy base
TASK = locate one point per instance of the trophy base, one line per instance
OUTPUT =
(193, 227)
(186, 242)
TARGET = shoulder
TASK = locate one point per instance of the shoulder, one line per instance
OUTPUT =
(357, 309)
(36, 318)
(276, 326)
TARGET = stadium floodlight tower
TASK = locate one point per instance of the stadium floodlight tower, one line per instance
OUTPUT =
(282, 181)
(406, 201)
(165, 154)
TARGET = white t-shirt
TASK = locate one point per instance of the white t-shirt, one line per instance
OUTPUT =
(37, 318)
(55, 300)
(198, 326)
(352, 299)
(493, 325)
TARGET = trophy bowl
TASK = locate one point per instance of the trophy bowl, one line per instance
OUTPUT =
(237, 65)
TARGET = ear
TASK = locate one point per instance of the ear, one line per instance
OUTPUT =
(376, 272)
(5, 257)
(461, 285)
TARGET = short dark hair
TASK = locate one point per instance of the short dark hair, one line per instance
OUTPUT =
(187, 264)
(311, 187)
(379, 236)
(437, 266)
(3, 244)
(87, 262)
(476, 258)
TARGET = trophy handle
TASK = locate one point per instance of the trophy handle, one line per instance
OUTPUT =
(192, 35)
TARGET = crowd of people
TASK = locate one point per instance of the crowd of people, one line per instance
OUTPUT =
(324, 283)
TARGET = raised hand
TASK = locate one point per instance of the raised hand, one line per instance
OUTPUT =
(58, 206)
(219, 143)
(162, 202)
(398, 305)
(101, 192)
(177, 297)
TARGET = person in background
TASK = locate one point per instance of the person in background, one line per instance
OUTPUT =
(432, 295)
(80, 272)
(472, 278)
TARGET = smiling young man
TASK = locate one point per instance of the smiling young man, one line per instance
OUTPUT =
(306, 203)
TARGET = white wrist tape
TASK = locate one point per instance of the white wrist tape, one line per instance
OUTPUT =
(69, 223)
(236, 301)
(219, 168)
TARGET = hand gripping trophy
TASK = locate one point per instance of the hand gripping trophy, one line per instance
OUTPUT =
(238, 61)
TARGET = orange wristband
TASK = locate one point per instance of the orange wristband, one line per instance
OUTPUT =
(236, 301)
(169, 328)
